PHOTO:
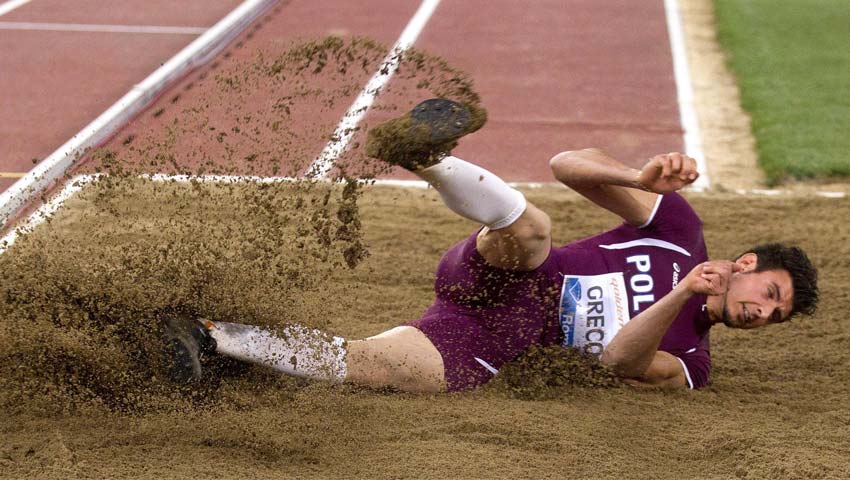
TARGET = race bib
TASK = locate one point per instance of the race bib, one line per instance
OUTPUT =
(593, 309)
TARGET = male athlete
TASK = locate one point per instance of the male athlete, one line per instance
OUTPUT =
(641, 296)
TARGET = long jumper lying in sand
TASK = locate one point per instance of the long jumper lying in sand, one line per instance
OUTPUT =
(642, 296)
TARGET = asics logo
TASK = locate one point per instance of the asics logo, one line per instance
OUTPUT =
(676, 270)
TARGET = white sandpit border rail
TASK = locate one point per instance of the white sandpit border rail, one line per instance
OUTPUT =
(197, 53)
(12, 5)
(79, 182)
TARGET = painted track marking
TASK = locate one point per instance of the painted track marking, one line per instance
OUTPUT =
(79, 27)
(77, 183)
(11, 5)
(197, 53)
(12, 174)
(346, 128)
(685, 93)
(46, 210)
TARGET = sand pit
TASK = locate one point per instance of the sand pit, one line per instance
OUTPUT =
(775, 407)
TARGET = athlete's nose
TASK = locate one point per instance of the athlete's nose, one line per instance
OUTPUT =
(766, 312)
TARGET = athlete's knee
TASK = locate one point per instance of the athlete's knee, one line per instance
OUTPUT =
(523, 245)
(534, 225)
(531, 229)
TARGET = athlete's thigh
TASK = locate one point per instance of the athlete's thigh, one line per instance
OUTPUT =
(402, 357)
(523, 245)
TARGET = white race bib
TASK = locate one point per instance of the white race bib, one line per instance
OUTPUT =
(593, 309)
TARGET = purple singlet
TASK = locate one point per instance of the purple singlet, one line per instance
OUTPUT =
(484, 316)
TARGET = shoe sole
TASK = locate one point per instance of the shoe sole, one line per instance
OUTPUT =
(423, 136)
(446, 120)
(183, 350)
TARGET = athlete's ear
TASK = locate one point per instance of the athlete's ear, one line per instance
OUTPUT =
(748, 262)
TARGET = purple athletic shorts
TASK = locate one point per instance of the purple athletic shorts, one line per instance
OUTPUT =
(485, 316)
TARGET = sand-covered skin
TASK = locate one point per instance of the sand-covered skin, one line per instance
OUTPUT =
(776, 407)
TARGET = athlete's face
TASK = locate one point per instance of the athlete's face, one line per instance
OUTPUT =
(756, 299)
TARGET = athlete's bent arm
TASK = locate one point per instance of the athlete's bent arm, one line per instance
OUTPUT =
(633, 352)
(623, 190)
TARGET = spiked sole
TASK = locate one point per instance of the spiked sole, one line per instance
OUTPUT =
(423, 136)
(185, 343)
(445, 120)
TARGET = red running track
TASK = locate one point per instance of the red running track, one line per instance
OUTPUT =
(54, 83)
(554, 74)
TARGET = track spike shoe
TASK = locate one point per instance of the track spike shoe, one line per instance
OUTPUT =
(425, 135)
(188, 340)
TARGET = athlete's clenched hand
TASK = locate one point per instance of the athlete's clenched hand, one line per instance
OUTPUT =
(711, 278)
(668, 173)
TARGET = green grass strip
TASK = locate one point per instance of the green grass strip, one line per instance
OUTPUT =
(792, 60)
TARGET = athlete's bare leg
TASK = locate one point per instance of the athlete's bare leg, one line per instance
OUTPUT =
(402, 358)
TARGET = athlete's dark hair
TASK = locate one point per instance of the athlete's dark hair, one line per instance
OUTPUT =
(804, 275)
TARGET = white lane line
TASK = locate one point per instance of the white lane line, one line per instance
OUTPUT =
(79, 27)
(197, 53)
(685, 92)
(46, 210)
(77, 183)
(11, 5)
(346, 128)
(163, 177)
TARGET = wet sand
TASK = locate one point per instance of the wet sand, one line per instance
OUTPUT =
(75, 405)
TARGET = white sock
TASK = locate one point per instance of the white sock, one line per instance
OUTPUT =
(297, 350)
(475, 193)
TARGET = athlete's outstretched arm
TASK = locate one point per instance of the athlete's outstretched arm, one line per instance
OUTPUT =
(633, 352)
(623, 190)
